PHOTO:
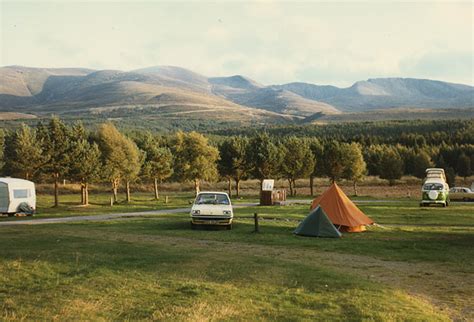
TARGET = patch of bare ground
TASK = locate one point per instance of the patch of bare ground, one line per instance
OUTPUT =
(15, 116)
(448, 289)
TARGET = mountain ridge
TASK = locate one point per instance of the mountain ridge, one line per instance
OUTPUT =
(35, 90)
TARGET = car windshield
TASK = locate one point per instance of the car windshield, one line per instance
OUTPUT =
(433, 186)
(212, 199)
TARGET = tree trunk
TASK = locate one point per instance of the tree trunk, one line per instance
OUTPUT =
(229, 186)
(294, 187)
(355, 188)
(311, 184)
(86, 194)
(127, 185)
(196, 186)
(82, 194)
(237, 187)
(291, 187)
(56, 189)
(114, 190)
(157, 196)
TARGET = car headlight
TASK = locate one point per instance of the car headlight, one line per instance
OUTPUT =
(196, 212)
(227, 212)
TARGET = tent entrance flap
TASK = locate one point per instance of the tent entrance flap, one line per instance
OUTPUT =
(317, 224)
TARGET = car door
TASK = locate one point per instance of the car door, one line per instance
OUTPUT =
(468, 195)
(455, 194)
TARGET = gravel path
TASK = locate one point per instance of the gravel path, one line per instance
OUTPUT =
(41, 221)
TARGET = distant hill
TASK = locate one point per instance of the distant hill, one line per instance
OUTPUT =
(167, 91)
(178, 93)
(244, 91)
(382, 93)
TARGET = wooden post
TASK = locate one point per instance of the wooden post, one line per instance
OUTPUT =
(166, 199)
(255, 219)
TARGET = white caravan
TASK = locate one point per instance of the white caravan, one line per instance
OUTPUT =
(17, 196)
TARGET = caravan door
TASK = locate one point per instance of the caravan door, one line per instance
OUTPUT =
(4, 197)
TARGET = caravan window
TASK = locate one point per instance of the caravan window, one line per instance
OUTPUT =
(20, 193)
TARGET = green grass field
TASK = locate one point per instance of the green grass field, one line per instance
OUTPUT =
(417, 265)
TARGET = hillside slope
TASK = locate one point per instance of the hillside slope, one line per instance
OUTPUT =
(156, 92)
(73, 90)
(383, 93)
(244, 91)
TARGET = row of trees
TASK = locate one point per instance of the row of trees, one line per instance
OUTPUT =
(56, 151)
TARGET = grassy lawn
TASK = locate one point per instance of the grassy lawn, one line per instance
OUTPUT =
(417, 266)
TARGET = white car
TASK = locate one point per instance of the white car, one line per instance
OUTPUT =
(212, 208)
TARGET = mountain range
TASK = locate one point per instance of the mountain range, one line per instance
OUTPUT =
(165, 91)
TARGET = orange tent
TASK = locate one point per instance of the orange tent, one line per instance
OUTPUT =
(342, 212)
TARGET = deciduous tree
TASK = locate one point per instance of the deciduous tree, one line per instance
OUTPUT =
(421, 161)
(195, 158)
(120, 155)
(355, 168)
(158, 164)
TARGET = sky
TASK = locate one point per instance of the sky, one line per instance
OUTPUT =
(271, 42)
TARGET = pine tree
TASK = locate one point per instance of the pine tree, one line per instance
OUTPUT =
(56, 145)
(317, 150)
(195, 159)
(334, 160)
(264, 157)
(85, 161)
(2, 148)
(391, 165)
(464, 166)
(23, 154)
(233, 163)
(298, 161)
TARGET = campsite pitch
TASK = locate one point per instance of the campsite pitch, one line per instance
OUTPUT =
(418, 266)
